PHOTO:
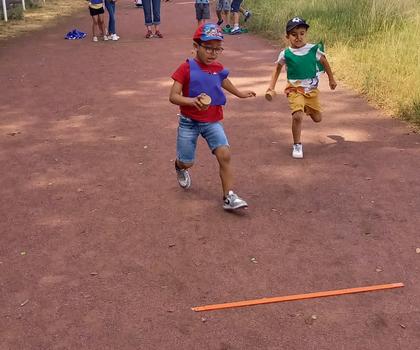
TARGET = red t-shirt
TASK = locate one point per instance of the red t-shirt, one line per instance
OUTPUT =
(182, 76)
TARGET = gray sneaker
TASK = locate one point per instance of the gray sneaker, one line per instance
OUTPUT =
(183, 176)
(232, 202)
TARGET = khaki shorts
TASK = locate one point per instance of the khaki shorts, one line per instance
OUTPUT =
(301, 101)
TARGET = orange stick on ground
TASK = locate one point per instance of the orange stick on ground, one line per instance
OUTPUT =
(329, 293)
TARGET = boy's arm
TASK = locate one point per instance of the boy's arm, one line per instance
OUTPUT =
(329, 72)
(274, 77)
(228, 86)
(175, 97)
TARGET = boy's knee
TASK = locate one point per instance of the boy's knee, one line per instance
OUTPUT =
(297, 116)
(222, 154)
(316, 117)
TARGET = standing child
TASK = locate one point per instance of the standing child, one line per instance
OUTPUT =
(202, 11)
(302, 61)
(193, 80)
(96, 9)
(110, 6)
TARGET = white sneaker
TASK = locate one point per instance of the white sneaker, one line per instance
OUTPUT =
(183, 176)
(105, 37)
(114, 37)
(233, 201)
(297, 151)
(95, 39)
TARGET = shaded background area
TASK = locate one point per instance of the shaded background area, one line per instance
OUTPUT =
(100, 248)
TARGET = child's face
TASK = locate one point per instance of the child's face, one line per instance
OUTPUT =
(208, 51)
(297, 37)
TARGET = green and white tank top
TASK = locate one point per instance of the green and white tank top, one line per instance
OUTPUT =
(302, 65)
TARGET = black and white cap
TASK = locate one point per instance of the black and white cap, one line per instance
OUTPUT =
(296, 22)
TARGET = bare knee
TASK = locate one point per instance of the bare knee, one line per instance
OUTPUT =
(297, 116)
(316, 116)
(222, 155)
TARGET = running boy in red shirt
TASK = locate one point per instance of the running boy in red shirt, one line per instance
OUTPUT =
(194, 78)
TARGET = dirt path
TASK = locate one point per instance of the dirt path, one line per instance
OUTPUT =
(100, 248)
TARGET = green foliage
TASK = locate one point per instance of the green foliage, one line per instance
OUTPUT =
(372, 44)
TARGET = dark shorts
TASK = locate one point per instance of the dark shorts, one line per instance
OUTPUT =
(236, 5)
(202, 11)
(95, 12)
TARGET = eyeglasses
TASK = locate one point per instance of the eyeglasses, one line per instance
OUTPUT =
(209, 49)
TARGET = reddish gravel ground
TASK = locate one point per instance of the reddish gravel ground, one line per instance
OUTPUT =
(100, 248)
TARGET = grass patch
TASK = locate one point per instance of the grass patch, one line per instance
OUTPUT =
(38, 15)
(372, 44)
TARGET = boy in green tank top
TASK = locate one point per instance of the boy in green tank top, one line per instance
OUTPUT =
(304, 63)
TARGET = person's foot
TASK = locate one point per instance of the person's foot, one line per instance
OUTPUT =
(105, 37)
(114, 37)
(247, 15)
(232, 201)
(227, 29)
(183, 176)
(158, 34)
(219, 22)
(95, 39)
(149, 34)
(297, 151)
(236, 30)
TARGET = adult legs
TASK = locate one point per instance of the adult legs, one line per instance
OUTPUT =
(147, 10)
(110, 6)
(156, 15)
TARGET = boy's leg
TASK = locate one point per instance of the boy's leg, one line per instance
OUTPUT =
(313, 107)
(231, 200)
(297, 106)
(217, 141)
(297, 118)
(225, 171)
(315, 115)
(186, 145)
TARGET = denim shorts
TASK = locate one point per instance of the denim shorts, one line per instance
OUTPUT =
(188, 132)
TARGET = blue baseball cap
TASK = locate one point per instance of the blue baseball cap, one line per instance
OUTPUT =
(207, 32)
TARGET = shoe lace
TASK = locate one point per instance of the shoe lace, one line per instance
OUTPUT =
(231, 198)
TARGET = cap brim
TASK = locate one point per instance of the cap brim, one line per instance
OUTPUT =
(297, 25)
(208, 38)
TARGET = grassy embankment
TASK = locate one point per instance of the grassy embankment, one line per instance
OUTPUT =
(373, 45)
(37, 17)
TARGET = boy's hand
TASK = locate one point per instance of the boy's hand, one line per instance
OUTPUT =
(333, 84)
(246, 94)
(196, 102)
